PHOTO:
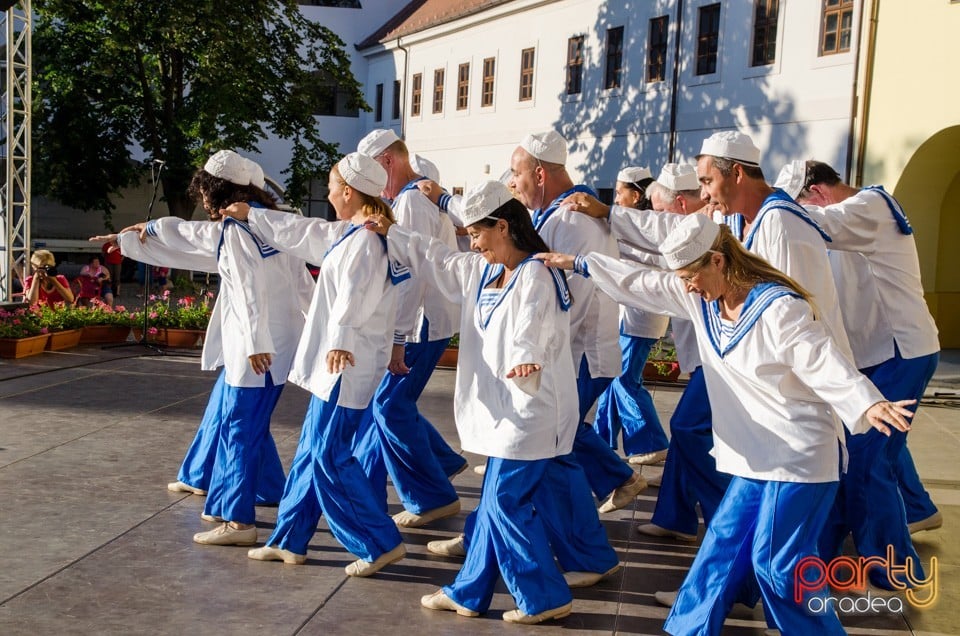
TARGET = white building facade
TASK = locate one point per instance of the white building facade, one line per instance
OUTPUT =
(628, 82)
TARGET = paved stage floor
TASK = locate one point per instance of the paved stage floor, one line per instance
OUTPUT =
(93, 543)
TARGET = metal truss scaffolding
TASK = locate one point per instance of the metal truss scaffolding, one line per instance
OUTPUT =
(17, 104)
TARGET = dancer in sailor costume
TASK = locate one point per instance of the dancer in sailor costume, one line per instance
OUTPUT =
(197, 466)
(339, 359)
(253, 332)
(773, 374)
(424, 325)
(690, 475)
(894, 340)
(541, 182)
(514, 402)
(626, 406)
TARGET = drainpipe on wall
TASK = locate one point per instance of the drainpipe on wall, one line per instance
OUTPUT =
(671, 152)
(862, 102)
(403, 92)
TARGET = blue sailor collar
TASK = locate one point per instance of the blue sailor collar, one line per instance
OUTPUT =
(492, 272)
(898, 214)
(780, 200)
(735, 222)
(541, 215)
(265, 250)
(396, 272)
(758, 299)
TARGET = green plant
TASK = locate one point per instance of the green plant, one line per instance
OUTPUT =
(99, 313)
(60, 317)
(663, 355)
(454, 342)
(20, 323)
(189, 312)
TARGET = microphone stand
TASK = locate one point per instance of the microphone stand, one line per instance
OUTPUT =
(156, 169)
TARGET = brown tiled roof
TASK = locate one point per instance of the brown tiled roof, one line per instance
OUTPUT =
(423, 14)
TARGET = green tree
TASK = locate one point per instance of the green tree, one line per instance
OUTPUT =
(178, 80)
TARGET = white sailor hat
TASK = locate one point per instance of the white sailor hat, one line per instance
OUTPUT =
(690, 239)
(256, 174)
(425, 167)
(229, 166)
(482, 200)
(633, 174)
(377, 141)
(731, 144)
(363, 173)
(679, 177)
(549, 146)
(792, 177)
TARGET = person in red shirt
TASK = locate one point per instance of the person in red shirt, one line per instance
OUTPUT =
(113, 261)
(43, 286)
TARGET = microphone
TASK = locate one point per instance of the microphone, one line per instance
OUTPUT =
(153, 162)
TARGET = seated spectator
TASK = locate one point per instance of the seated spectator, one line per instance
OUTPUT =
(94, 282)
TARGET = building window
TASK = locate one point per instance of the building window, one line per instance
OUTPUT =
(657, 49)
(416, 94)
(332, 100)
(605, 195)
(526, 74)
(574, 65)
(486, 92)
(378, 104)
(463, 86)
(837, 25)
(765, 32)
(438, 90)
(396, 100)
(708, 38)
(614, 57)
(457, 190)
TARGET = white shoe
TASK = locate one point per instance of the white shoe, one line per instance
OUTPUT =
(667, 599)
(440, 601)
(455, 547)
(272, 553)
(480, 469)
(517, 615)
(932, 522)
(225, 534)
(211, 518)
(646, 459)
(179, 486)
(586, 579)
(624, 494)
(365, 568)
(653, 530)
(407, 519)
(655, 481)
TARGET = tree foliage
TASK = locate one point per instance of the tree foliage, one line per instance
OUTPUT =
(176, 80)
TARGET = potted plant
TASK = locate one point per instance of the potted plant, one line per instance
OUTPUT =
(179, 324)
(662, 362)
(63, 322)
(105, 324)
(448, 359)
(21, 333)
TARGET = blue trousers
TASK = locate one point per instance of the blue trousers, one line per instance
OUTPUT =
(197, 466)
(626, 406)
(869, 503)
(508, 539)
(242, 433)
(690, 474)
(327, 479)
(761, 529)
(566, 508)
(604, 469)
(421, 478)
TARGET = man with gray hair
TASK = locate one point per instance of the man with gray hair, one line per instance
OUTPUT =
(540, 180)
(417, 458)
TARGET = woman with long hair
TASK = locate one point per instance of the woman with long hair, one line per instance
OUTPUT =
(777, 383)
(340, 359)
(252, 334)
(515, 402)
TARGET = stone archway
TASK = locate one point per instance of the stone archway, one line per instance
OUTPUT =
(929, 189)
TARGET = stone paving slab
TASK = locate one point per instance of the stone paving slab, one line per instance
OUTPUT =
(95, 544)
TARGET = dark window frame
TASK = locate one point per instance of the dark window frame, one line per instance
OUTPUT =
(416, 94)
(574, 84)
(463, 86)
(708, 39)
(658, 37)
(528, 61)
(439, 77)
(395, 110)
(836, 39)
(378, 103)
(487, 86)
(613, 69)
(766, 14)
